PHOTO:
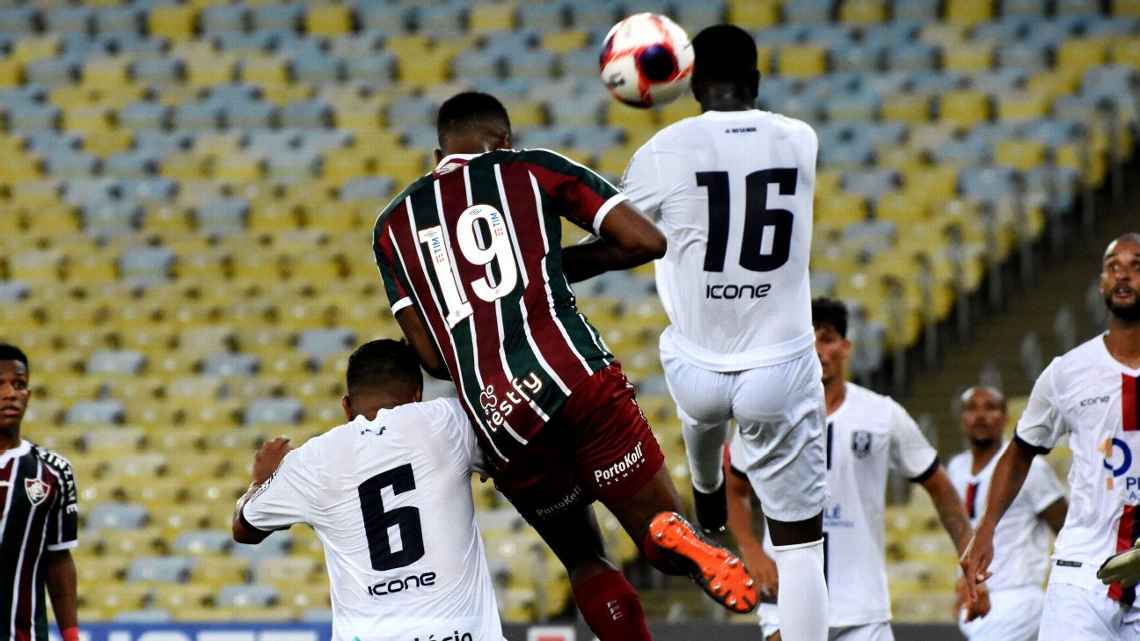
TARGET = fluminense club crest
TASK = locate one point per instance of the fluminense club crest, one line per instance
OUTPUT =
(37, 490)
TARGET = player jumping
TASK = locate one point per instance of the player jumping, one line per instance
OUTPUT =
(867, 434)
(431, 581)
(1091, 395)
(1022, 550)
(472, 262)
(732, 189)
(39, 520)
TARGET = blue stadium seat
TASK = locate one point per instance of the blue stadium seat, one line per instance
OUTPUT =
(915, 56)
(244, 42)
(377, 68)
(121, 19)
(811, 11)
(72, 164)
(18, 20)
(116, 516)
(160, 569)
(53, 72)
(223, 215)
(322, 343)
(247, 596)
(69, 19)
(158, 71)
(867, 56)
(249, 115)
(277, 17)
(203, 542)
(131, 164)
(894, 33)
(273, 411)
(1023, 7)
(543, 16)
(368, 188)
(924, 10)
(1027, 55)
(146, 265)
(383, 17)
(231, 364)
(101, 412)
(871, 184)
(107, 218)
(317, 69)
(226, 17)
(197, 116)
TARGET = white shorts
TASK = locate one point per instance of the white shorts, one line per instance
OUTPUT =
(780, 412)
(1015, 615)
(770, 624)
(1075, 613)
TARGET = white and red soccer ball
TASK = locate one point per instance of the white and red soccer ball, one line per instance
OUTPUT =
(646, 60)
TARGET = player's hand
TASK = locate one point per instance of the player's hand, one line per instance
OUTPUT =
(980, 607)
(976, 561)
(763, 569)
(1123, 567)
(269, 458)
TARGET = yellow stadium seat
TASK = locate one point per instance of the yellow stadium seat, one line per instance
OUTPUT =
(683, 107)
(565, 40)
(11, 73)
(1020, 154)
(486, 18)
(105, 72)
(754, 13)
(237, 166)
(862, 11)
(35, 48)
(965, 107)
(527, 114)
(328, 20)
(264, 70)
(909, 108)
(935, 184)
(902, 208)
(110, 141)
(1088, 162)
(1022, 106)
(210, 69)
(1082, 53)
(1052, 84)
(1127, 8)
(969, 57)
(426, 69)
(841, 208)
(967, 13)
(87, 120)
(1126, 51)
(613, 161)
(802, 61)
(828, 181)
(173, 21)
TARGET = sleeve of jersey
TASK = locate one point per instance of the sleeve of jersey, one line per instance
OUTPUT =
(1042, 485)
(63, 523)
(390, 271)
(1041, 424)
(911, 453)
(642, 182)
(585, 196)
(285, 499)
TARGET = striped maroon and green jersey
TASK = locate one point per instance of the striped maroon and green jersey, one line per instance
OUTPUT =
(476, 247)
(40, 513)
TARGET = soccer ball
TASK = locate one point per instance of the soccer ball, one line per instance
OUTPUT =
(646, 60)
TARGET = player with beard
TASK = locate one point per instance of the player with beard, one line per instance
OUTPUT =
(1090, 395)
(1015, 591)
(39, 520)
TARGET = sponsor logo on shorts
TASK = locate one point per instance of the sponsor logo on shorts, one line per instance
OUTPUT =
(563, 503)
(861, 443)
(619, 470)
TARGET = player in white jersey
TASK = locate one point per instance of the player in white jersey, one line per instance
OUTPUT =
(1022, 538)
(867, 434)
(389, 496)
(732, 190)
(1090, 395)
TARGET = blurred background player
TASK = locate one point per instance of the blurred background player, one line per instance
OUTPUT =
(472, 262)
(430, 580)
(1015, 592)
(867, 434)
(1090, 395)
(39, 519)
(732, 190)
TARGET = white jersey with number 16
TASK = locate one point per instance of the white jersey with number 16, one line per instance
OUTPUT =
(732, 191)
(390, 500)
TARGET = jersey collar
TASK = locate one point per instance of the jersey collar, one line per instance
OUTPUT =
(16, 452)
(455, 158)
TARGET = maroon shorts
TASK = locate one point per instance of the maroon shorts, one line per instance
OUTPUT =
(597, 447)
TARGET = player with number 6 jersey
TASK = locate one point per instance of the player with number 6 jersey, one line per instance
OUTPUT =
(389, 496)
(732, 190)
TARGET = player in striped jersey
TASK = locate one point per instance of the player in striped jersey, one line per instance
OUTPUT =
(1090, 394)
(472, 260)
(39, 521)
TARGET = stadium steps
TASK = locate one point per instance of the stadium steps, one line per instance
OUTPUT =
(1062, 280)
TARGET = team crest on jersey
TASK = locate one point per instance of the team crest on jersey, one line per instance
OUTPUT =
(37, 490)
(861, 443)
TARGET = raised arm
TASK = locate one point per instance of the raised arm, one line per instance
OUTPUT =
(265, 463)
(627, 240)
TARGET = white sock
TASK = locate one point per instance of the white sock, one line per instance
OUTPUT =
(802, 602)
(703, 446)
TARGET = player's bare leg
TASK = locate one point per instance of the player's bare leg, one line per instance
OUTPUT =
(802, 601)
(605, 598)
(652, 517)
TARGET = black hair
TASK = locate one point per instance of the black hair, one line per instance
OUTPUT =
(12, 353)
(383, 362)
(830, 313)
(470, 109)
(725, 53)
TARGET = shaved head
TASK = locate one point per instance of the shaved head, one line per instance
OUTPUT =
(984, 415)
(1120, 278)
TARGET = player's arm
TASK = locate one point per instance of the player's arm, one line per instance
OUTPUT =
(949, 507)
(738, 494)
(627, 240)
(265, 463)
(60, 577)
(417, 335)
(1054, 515)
